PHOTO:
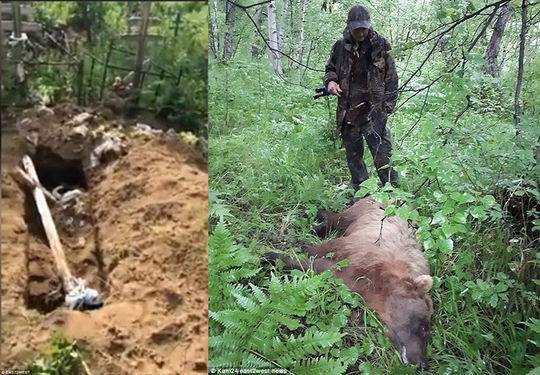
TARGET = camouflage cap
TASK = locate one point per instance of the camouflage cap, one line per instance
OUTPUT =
(358, 17)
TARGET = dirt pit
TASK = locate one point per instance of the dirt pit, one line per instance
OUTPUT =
(136, 231)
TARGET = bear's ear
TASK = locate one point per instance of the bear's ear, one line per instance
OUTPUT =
(423, 283)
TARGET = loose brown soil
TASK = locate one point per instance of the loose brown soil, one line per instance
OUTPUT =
(138, 236)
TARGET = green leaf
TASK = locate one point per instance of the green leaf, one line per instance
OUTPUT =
(445, 245)
(414, 215)
(442, 13)
(367, 369)
(349, 355)
(488, 201)
(476, 295)
(536, 225)
(367, 187)
(484, 286)
(448, 230)
(470, 284)
(439, 218)
(478, 212)
(403, 212)
(429, 244)
(342, 264)
(534, 324)
(440, 197)
(493, 300)
(501, 287)
(460, 217)
(291, 324)
(390, 210)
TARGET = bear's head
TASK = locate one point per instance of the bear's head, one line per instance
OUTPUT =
(407, 314)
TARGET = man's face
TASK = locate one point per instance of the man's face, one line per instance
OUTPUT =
(359, 34)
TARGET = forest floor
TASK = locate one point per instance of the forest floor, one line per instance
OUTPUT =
(468, 185)
(137, 234)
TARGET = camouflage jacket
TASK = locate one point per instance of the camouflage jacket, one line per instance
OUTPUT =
(382, 79)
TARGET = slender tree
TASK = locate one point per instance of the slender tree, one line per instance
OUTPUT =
(255, 49)
(214, 34)
(522, 37)
(281, 33)
(491, 67)
(228, 40)
(300, 54)
(141, 44)
(292, 49)
(275, 56)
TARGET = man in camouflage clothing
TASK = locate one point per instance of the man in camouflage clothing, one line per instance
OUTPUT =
(362, 74)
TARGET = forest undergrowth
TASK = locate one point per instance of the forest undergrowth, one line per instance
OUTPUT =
(467, 183)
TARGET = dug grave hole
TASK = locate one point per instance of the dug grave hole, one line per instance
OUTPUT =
(134, 226)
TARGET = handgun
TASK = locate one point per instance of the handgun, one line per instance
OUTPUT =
(322, 91)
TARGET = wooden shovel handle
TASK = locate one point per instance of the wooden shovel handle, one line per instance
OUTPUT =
(48, 223)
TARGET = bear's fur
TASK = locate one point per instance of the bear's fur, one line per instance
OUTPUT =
(386, 266)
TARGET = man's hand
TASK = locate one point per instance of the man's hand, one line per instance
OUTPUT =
(334, 89)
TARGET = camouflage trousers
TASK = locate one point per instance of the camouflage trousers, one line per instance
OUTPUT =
(378, 139)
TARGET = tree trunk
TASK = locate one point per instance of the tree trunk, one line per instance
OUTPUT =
(18, 49)
(141, 44)
(292, 49)
(482, 32)
(522, 37)
(300, 55)
(83, 5)
(484, 28)
(282, 17)
(214, 35)
(275, 56)
(291, 17)
(137, 80)
(255, 49)
(492, 51)
(228, 41)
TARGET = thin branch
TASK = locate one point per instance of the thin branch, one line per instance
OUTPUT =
(469, 105)
(418, 91)
(311, 48)
(530, 21)
(244, 8)
(481, 33)
(252, 5)
(380, 231)
(418, 188)
(466, 172)
(442, 33)
(51, 38)
(417, 120)
(422, 64)
(454, 24)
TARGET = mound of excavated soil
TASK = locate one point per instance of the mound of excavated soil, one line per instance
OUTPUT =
(138, 235)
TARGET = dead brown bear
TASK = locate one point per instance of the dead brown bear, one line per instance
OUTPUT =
(385, 266)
